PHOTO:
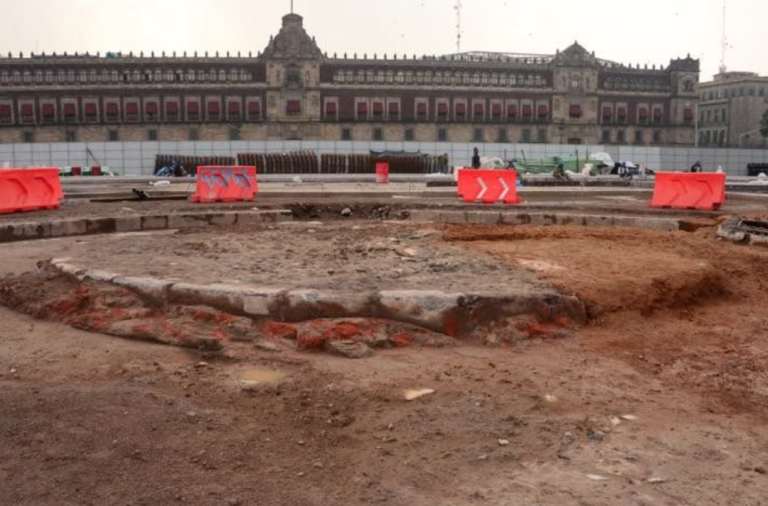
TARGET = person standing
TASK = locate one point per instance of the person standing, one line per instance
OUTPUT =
(442, 163)
(476, 159)
(696, 167)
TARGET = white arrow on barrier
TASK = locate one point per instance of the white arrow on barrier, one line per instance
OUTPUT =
(506, 189)
(485, 188)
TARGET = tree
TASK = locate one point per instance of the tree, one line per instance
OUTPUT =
(764, 125)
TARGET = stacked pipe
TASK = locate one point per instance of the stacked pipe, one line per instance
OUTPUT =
(333, 164)
(755, 169)
(297, 162)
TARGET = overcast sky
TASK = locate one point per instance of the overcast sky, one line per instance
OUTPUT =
(643, 31)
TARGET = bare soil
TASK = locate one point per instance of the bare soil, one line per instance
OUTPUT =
(677, 341)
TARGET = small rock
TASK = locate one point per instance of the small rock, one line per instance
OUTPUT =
(349, 349)
(596, 435)
(407, 252)
(761, 470)
(318, 465)
(597, 477)
(615, 421)
(503, 442)
(550, 398)
(412, 395)
(201, 365)
(266, 345)
(346, 212)
(657, 480)
(421, 234)
(629, 418)
(300, 474)
(12, 371)
(191, 414)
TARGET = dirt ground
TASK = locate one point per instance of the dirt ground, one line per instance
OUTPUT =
(660, 400)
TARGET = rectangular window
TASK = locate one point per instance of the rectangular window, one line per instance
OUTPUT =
(639, 137)
(606, 136)
(346, 134)
(478, 135)
(193, 134)
(621, 136)
(293, 107)
(28, 137)
(70, 137)
(409, 136)
(152, 134)
(574, 111)
(657, 137)
(378, 134)
(442, 134)
(526, 136)
(113, 136)
(542, 135)
(502, 135)
(724, 116)
(234, 133)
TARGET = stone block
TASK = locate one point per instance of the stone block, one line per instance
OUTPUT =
(599, 221)
(183, 221)
(457, 217)
(128, 224)
(231, 298)
(222, 219)
(329, 304)
(425, 215)
(515, 218)
(100, 226)
(543, 220)
(579, 220)
(97, 275)
(426, 308)
(152, 288)
(250, 218)
(260, 302)
(64, 228)
(154, 222)
(484, 217)
(68, 269)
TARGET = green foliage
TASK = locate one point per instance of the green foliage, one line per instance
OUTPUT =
(764, 124)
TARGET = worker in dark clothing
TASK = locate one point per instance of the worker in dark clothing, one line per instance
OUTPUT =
(476, 159)
(559, 173)
(696, 167)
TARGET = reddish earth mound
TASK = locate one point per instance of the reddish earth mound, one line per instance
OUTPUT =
(105, 308)
(611, 270)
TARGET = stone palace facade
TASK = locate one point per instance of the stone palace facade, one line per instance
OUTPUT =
(293, 91)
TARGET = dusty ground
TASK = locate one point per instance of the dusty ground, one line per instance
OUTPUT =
(348, 256)
(89, 419)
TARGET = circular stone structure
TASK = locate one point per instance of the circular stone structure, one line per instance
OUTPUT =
(288, 273)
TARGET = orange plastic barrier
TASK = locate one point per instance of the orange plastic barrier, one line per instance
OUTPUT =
(489, 186)
(382, 173)
(225, 184)
(29, 190)
(679, 190)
